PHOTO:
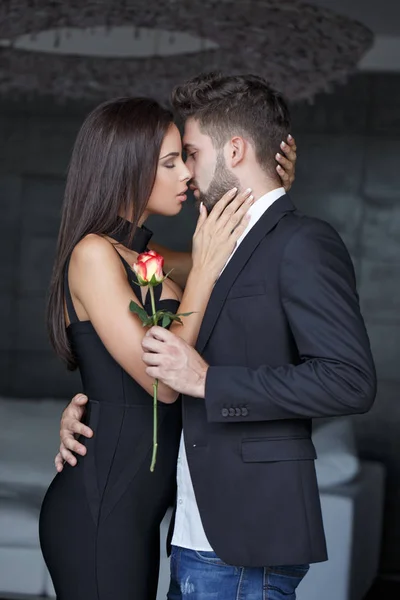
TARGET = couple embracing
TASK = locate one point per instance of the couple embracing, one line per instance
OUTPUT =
(274, 340)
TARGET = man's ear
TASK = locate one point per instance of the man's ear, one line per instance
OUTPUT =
(237, 150)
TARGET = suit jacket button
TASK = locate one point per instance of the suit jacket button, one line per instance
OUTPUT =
(224, 412)
(245, 412)
(238, 412)
(231, 412)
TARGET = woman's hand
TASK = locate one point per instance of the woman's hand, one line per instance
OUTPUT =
(181, 262)
(287, 163)
(216, 234)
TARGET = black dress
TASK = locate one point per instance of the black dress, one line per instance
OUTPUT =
(99, 523)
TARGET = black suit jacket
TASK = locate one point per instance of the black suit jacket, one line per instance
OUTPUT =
(285, 342)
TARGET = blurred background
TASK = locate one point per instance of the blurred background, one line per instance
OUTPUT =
(338, 63)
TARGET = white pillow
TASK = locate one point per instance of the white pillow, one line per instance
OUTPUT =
(334, 441)
(29, 440)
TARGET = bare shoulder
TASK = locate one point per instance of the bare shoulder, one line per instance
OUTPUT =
(92, 251)
(94, 261)
(91, 246)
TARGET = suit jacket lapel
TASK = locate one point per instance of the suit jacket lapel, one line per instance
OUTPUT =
(266, 223)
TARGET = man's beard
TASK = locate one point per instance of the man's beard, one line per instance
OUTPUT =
(222, 182)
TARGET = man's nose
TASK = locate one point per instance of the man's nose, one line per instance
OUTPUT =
(187, 174)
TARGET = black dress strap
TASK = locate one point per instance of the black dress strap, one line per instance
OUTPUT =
(73, 317)
(121, 232)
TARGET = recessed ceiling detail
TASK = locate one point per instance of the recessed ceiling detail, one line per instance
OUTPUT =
(99, 49)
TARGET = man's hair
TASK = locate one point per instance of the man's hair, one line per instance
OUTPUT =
(236, 105)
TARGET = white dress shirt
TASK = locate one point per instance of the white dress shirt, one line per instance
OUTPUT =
(188, 531)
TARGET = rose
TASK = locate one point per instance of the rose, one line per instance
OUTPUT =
(149, 268)
(149, 272)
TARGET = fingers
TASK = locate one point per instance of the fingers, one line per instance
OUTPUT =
(202, 218)
(151, 359)
(70, 444)
(234, 213)
(81, 429)
(59, 462)
(289, 151)
(292, 142)
(153, 372)
(285, 167)
(287, 163)
(67, 456)
(71, 418)
(159, 333)
(221, 205)
(71, 427)
(76, 408)
(151, 344)
(71, 422)
(242, 201)
(240, 229)
(80, 400)
(238, 202)
(284, 176)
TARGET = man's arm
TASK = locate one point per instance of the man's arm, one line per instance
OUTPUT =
(336, 375)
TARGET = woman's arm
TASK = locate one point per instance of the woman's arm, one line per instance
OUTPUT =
(120, 331)
(98, 281)
(180, 263)
(213, 242)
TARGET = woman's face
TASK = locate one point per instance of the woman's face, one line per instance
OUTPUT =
(169, 190)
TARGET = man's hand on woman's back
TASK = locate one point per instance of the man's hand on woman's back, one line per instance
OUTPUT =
(70, 427)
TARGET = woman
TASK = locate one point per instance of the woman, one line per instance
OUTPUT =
(99, 524)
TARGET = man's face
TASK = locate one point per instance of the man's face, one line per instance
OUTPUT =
(211, 178)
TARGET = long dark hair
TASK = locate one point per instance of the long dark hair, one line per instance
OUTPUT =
(111, 172)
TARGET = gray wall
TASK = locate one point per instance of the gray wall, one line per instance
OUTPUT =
(348, 173)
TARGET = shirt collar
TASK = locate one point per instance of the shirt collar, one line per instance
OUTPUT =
(259, 207)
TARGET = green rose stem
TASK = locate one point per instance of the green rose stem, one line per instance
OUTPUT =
(148, 270)
(155, 390)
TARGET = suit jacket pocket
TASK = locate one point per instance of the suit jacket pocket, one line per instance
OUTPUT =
(243, 291)
(275, 450)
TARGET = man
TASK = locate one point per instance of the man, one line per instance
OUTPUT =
(282, 342)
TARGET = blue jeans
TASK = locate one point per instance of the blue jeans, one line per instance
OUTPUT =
(203, 576)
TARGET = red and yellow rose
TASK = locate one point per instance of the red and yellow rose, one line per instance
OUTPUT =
(149, 268)
(149, 272)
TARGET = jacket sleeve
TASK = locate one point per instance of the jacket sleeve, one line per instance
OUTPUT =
(336, 373)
